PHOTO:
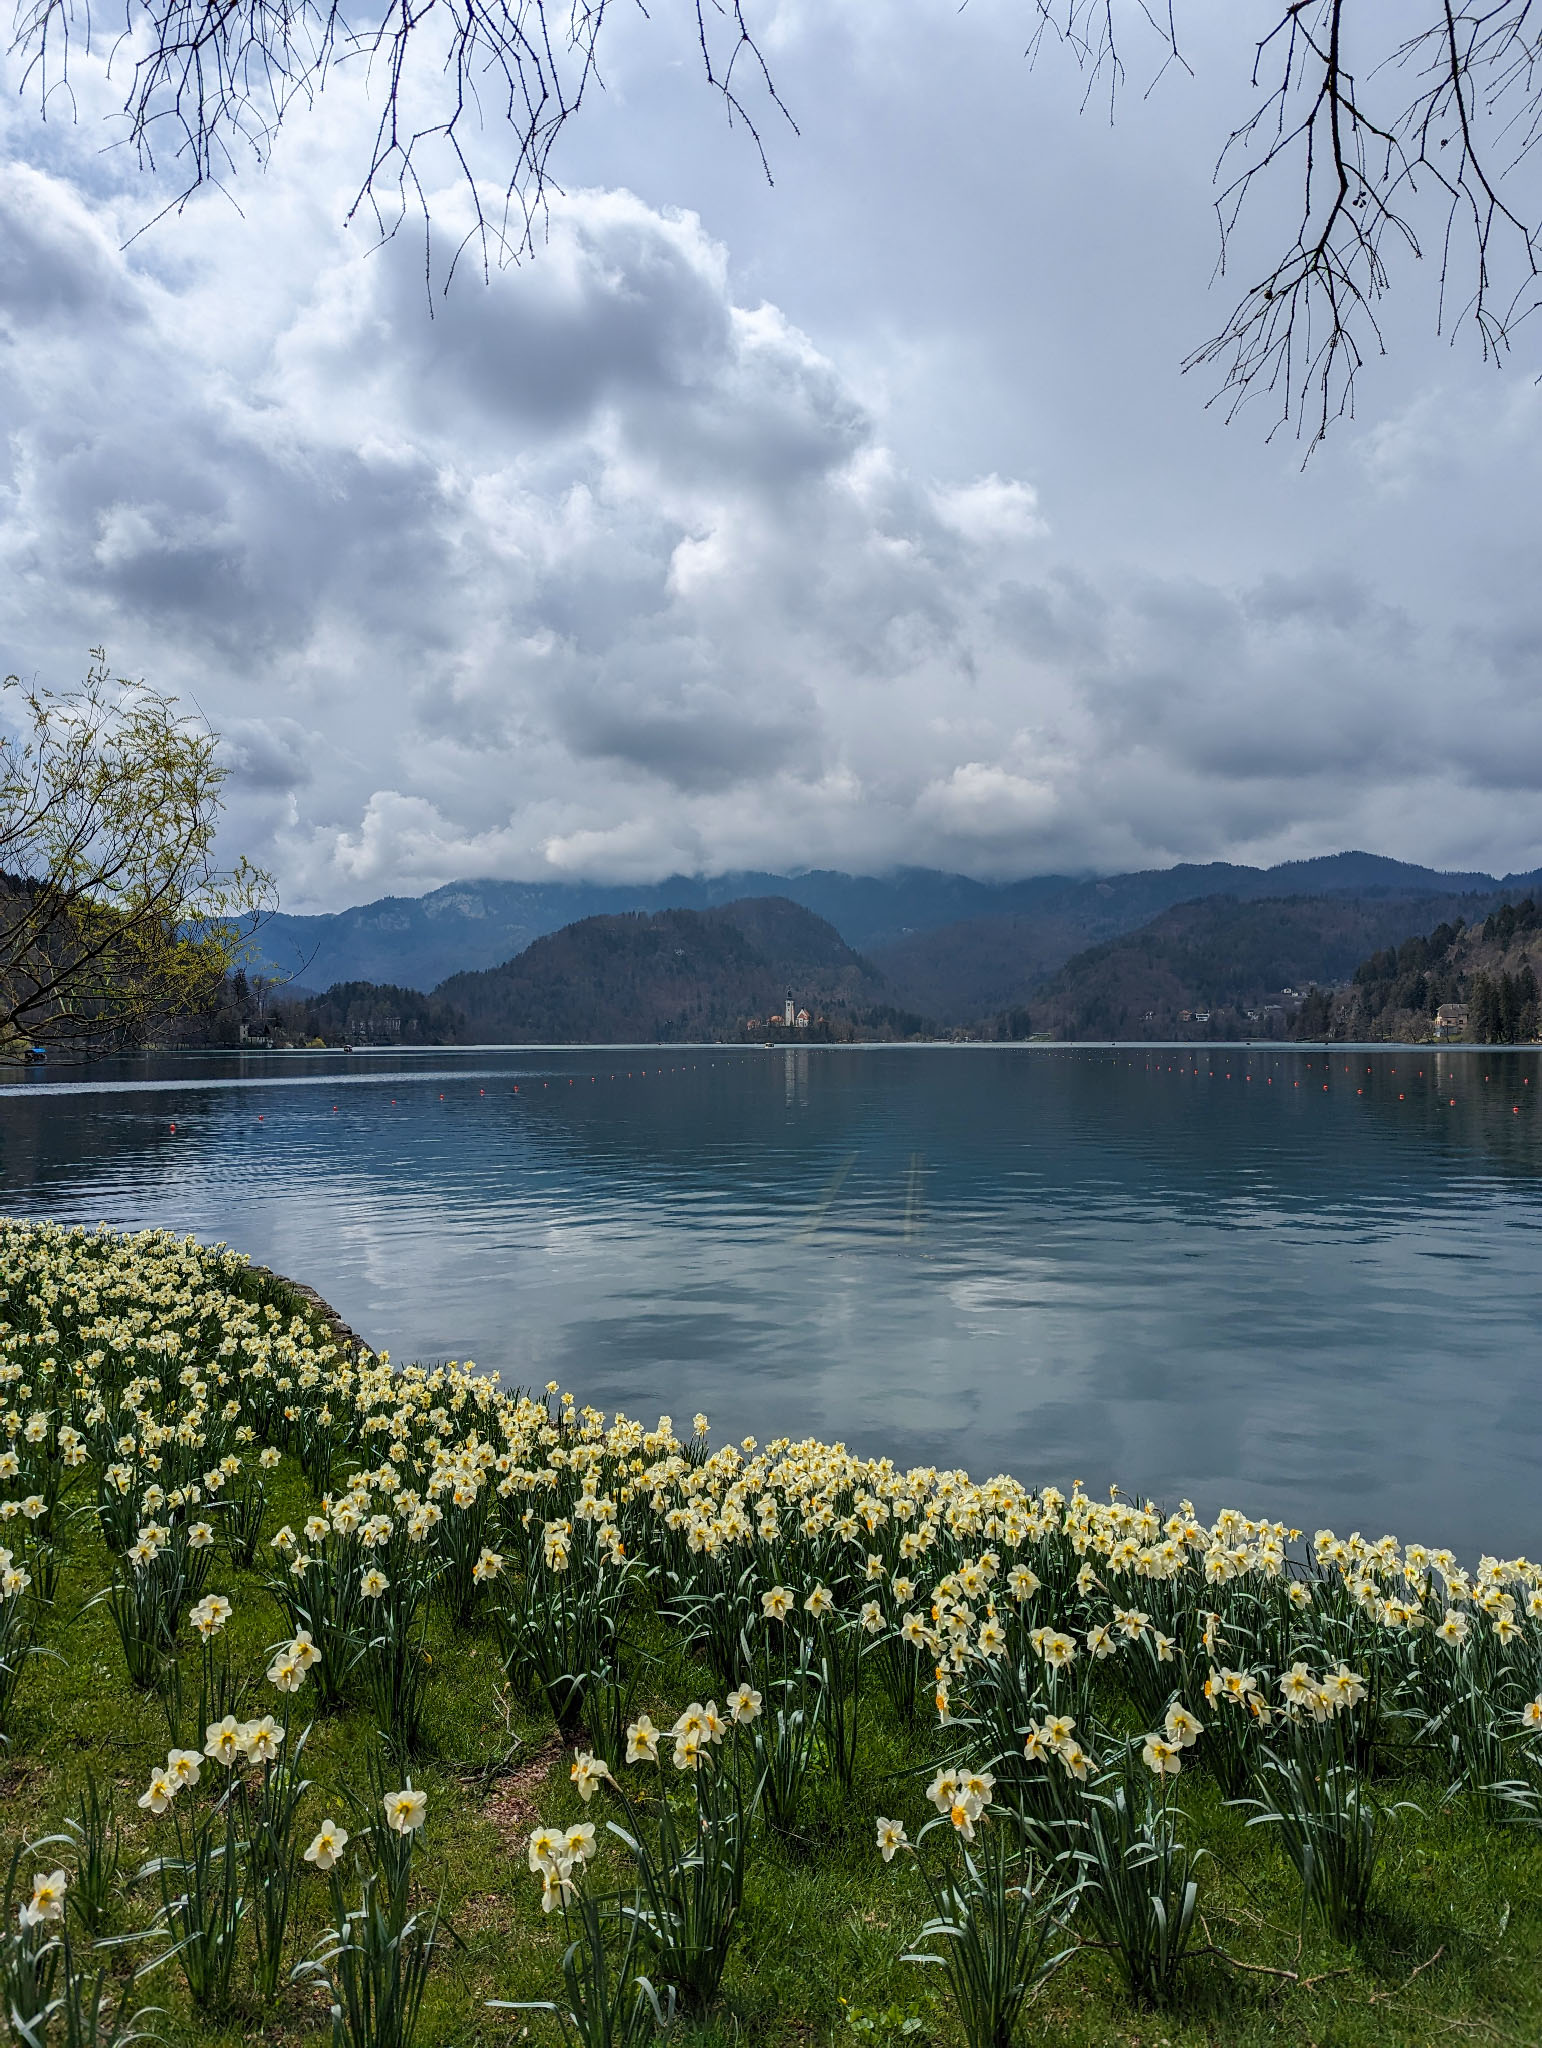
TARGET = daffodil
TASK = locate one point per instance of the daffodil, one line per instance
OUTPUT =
(588, 1773)
(286, 1673)
(1182, 1727)
(223, 1741)
(1343, 1687)
(1161, 1756)
(943, 1790)
(1297, 1687)
(963, 1813)
(210, 1614)
(260, 1739)
(162, 1790)
(743, 1704)
(642, 1741)
(545, 1847)
(328, 1845)
(47, 1900)
(406, 1811)
(891, 1837)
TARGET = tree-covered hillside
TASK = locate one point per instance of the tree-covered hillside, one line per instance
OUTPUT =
(1487, 969)
(677, 975)
(1224, 968)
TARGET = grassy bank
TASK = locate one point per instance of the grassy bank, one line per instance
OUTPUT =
(546, 1568)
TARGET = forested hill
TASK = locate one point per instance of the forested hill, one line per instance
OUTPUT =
(1221, 961)
(1489, 967)
(676, 975)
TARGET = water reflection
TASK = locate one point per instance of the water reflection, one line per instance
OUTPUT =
(1301, 1281)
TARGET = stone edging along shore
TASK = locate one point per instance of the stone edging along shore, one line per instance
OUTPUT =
(341, 1333)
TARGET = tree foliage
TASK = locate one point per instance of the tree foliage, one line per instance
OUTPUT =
(114, 911)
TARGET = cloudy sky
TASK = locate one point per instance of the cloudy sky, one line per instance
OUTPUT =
(858, 519)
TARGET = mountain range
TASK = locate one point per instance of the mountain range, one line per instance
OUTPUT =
(947, 945)
(1215, 966)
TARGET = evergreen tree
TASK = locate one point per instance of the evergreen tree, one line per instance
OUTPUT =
(1483, 1017)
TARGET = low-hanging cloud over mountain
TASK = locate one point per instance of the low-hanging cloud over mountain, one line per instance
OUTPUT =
(605, 567)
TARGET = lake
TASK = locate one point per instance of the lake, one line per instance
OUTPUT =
(1300, 1282)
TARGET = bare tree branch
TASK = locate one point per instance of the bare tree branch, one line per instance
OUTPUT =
(1425, 133)
(213, 81)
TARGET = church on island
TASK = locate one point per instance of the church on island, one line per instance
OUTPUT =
(788, 1019)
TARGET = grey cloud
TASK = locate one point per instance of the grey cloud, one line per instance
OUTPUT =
(685, 728)
(615, 311)
(1323, 595)
(267, 754)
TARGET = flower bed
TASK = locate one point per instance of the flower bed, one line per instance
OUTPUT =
(333, 1690)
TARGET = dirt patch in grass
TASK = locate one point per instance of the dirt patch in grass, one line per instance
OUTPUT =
(513, 1805)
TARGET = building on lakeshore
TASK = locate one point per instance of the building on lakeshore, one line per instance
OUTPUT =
(1451, 1020)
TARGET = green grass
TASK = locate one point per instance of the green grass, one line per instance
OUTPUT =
(1452, 1951)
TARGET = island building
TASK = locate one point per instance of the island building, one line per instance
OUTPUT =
(787, 1013)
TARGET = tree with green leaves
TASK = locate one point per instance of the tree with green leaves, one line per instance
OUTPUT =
(114, 910)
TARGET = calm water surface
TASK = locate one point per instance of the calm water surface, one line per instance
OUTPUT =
(1299, 1282)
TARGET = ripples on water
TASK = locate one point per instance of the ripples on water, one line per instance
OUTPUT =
(1301, 1282)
